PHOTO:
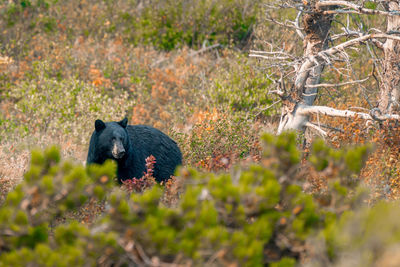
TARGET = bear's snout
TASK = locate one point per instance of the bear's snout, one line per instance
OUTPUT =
(120, 154)
(118, 150)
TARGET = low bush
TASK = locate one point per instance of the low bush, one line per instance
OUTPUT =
(43, 104)
(253, 216)
(242, 86)
(218, 139)
(163, 24)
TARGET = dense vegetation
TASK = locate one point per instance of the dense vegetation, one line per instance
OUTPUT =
(257, 214)
(242, 198)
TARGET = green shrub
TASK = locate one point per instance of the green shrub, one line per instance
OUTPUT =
(49, 190)
(170, 24)
(362, 237)
(253, 216)
(163, 24)
(219, 136)
(241, 85)
(48, 106)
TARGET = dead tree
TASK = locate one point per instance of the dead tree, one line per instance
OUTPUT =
(390, 82)
(322, 47)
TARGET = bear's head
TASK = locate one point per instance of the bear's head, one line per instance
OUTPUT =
(112, 141)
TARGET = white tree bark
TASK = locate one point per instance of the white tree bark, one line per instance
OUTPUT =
(328, 111)
(316, 23)
(390, 85)
(316, 17)
(317, 27)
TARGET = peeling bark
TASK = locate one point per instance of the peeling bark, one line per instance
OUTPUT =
(316, 26)
(390, 85)
(298, 103)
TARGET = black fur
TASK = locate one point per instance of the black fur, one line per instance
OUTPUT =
(138, 142)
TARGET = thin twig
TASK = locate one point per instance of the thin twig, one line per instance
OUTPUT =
(335, 84)
(270, 53)
(342, 46)
(330, 127)
(315, 127)
(128, 249)
(266, 57)
(356, 9)
(270, 106)
(296, 23)
(283, 24)
(204, 49)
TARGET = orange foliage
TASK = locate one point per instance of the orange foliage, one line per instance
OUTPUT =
(97, 77)
(382, 170)
(215, 133)
(200, 116)
(170, 80)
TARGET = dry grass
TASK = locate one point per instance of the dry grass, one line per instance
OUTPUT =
(13, 164)
(15, 158)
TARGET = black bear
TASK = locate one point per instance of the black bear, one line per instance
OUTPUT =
(130, 145)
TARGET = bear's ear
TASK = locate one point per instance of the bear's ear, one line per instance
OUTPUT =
(99, 125)
(123, 123)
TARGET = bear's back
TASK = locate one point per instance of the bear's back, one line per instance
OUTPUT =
(146, 141)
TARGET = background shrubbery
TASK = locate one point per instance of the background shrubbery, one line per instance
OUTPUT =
(41, 97)
(161, 23)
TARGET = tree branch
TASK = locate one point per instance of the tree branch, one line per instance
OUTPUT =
(286, 25)
(315, 127)
(328, 111)
(296, 23)
(335, 84)
(356, 9)
(267, 57)
(205, 49)
(340, 47)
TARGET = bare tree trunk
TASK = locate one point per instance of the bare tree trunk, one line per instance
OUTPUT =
(317, 26)
(298, 103)
(390, 85)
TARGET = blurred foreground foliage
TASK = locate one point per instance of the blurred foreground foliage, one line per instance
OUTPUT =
(259, 214)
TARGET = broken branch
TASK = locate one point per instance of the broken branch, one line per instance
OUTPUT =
(335, 84)
(355, 9)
